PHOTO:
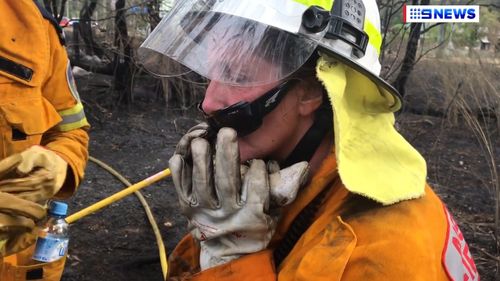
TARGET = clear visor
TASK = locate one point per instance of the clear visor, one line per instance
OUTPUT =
(223, 47)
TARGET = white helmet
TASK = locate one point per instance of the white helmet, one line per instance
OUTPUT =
(234, 41)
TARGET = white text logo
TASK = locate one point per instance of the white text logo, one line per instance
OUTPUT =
(440, 13)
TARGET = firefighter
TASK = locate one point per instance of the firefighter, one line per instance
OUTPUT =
(43, 134)
(298, 173)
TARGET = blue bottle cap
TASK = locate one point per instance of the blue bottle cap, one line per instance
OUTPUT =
(58, 208)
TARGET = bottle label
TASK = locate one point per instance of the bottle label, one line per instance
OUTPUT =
(50, 248)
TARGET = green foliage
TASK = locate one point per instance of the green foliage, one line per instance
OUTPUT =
(469, 34)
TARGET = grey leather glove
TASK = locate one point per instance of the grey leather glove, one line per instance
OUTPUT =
(229, 211)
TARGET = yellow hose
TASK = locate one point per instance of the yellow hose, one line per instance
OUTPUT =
(132, 188)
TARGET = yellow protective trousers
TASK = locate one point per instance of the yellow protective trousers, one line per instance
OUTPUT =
(20, 267)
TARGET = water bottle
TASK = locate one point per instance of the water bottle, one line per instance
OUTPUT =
(53, 236)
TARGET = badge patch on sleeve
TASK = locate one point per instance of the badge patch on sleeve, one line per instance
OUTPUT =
(457, 259)
(71, 82)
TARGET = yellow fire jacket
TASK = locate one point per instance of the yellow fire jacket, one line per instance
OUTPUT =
(350, 238)
(39, 105)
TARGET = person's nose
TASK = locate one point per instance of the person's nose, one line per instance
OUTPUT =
(217, 96)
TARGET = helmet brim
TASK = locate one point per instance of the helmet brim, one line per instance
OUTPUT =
(387, 91)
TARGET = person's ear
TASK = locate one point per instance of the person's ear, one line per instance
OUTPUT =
(309, 101)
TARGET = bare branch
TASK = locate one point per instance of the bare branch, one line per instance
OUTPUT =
(409, 58)
(422, 54)
(61, 10)
(430, 27)
(393, 69)
(395, 36)
(54, 8)
(47, 5)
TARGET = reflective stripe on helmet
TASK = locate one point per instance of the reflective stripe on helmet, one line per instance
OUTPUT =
(325, 4)
(374, 36)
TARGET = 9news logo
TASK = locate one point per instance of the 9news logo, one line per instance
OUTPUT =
(440, 13)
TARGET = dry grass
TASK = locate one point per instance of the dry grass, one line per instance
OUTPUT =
(464, 93)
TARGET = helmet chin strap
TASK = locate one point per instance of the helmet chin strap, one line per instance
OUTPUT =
(307, 146)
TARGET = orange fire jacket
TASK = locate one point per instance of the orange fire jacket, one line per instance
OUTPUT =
(39, 105)
(351, 238)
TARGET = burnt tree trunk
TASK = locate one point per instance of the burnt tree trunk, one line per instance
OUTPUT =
(154, 18)
(61, 10)
(51, 7)
(48, 6)
(411, 51)
(85, 29)
(153, 13)
(122, 58)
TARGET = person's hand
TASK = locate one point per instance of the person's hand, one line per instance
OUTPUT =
(18, 218)
(228, 205)
(27, 180)
(39, 175)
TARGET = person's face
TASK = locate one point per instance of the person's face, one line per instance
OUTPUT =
(275, 137)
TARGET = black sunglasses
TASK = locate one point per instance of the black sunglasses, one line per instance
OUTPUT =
(246, 117)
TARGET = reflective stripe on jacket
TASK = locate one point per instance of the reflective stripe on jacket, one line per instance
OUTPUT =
(351, 238)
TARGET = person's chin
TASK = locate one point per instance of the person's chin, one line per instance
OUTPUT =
(247, 152)
(244, 155)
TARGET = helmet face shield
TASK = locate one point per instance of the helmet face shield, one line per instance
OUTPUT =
(258, 42)
(228, 42)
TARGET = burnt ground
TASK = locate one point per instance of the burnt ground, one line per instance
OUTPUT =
(117, 243)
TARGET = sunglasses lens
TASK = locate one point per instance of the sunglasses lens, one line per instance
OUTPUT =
(245, 117)
(238, 116)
